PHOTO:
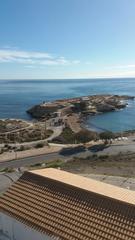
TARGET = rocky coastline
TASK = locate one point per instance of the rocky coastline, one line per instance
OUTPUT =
(69, 114)
(82, 106)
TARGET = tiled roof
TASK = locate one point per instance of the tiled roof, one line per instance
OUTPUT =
(69, 207)
(88, 184)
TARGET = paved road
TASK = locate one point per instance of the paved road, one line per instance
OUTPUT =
(29, 160)
(39, 159)
(6, 179)
(119, 147)
(112, 149)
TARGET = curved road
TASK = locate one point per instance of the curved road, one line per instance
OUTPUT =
(17, 130)
(56, 132)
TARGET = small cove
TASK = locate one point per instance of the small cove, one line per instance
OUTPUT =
(116, 121)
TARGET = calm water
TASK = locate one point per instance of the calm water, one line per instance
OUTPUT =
(17, 96)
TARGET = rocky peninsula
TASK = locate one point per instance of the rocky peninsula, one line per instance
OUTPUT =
(87, 105)
(63, 117)
(69, 114)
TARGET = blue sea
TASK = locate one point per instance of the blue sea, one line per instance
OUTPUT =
(16, 96)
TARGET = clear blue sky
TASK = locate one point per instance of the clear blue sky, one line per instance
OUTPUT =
(67, 38)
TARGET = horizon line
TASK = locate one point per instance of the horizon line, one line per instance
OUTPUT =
(52, 79)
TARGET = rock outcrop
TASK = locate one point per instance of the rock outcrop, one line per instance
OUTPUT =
(42, 111)
(104, 107)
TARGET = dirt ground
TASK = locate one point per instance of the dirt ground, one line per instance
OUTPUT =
(118, 165)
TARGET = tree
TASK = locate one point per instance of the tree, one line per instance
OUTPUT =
(85, 136)
(106, 135)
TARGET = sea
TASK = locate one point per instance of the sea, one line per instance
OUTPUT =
(16, 96)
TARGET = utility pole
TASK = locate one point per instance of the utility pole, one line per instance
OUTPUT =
(15, 151)
(41, 132)
(18, 136)
(45, 128)
(45, 125)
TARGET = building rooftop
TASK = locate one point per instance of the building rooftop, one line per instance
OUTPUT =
(66, 206)
(88, 184)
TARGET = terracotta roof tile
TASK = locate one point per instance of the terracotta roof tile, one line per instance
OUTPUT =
(89, 184)
(63, 208)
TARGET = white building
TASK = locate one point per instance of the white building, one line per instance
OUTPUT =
(85, 98)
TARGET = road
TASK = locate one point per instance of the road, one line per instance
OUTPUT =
(6, 179)
(119, 147)
(109, 150)
(29, 160)
(19, 129)
(56, 132)
(23, 162)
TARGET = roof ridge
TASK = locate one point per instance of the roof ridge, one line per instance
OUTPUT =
(89, 185)
(66, 211)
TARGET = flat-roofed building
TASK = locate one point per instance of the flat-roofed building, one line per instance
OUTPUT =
(54, 204)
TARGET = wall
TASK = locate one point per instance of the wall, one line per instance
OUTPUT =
(11, 229)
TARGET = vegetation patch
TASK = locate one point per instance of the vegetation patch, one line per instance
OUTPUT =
(68, 136)
(53, 164)
(39, 145)
(113, 165)
(24, 133)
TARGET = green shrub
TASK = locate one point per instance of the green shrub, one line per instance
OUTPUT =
(103, 156)
(94, 155)
(22, 148)
(106, 135)
(68, 136)
(55, 164)
(85, 136)
(39, 145)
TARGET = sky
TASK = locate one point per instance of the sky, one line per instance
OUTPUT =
(56, 39)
